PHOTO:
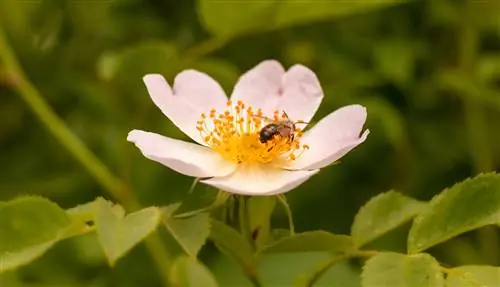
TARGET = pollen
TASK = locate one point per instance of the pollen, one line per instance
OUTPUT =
(235, 134)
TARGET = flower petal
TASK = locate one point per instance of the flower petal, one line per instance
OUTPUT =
(254, 180)
(332, 137)
(302, 94)
(186, 158)
(193, 93)
(260, 87)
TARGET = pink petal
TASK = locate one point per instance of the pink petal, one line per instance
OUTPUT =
(302, 94)
(183, 157)
(332, 137)
(193, 93)
(260, 87)
(254, 180)
(267, 86)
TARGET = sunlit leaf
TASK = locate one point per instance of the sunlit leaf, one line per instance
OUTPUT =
(118, 234)
(312, 241)
(393, 269)
(474, 276)
(219, 17)
(12, 260)
(232, 243)
(29, 226)
(191, 233)
(189, 272)
(468, 205)
(383, 213)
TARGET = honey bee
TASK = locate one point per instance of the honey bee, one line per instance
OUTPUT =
(284, 128)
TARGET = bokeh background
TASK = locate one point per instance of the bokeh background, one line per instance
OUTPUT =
(427, 70)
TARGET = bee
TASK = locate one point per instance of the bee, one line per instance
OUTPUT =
(284, 128)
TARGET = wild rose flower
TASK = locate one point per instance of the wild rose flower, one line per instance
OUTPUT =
(230, 155)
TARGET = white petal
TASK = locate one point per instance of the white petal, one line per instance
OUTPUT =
(302, 94)
(260, 87)
(254, 180)
(193, 93)
(332, 137)
(186, 158)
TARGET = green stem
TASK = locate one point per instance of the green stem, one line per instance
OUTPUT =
(56, 126)
(476, 123)
(244, 219)
(283, 201)
(220, 200)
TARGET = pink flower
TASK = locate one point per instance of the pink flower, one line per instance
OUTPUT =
(229, 154)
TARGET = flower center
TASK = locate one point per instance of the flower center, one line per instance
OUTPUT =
(243, 135)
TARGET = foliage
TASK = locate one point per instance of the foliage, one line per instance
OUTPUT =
(70, 89)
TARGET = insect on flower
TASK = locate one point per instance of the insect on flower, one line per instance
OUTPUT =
(250, 143)
(284, 128)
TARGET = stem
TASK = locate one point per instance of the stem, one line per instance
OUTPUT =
(56, 126)
(476, 124)
(220, 200)
(283, 201)
(244, 219)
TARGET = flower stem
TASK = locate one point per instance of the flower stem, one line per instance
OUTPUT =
(244, 219)
(284, 202)
(113, 186)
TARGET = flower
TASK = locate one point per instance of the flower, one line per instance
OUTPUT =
(230, 155)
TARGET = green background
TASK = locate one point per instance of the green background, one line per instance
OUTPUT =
(427, 71)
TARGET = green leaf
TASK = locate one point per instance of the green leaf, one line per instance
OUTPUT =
(29, 226)
(311, 241)
(232, 243)
(219, 17)
(381, 214)
(394, 269)
(10, 261)
(188, 272)
(260, 209)
(118, 233)
(191, 233)
(466, 206)
(474, 276)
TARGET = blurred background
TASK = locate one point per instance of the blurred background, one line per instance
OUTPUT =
(427, 70)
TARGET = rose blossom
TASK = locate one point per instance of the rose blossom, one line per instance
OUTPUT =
(229, 154)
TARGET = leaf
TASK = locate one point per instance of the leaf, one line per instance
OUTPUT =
(260, 209)
(474, 276)
(188, 272)
(394, 269)
(10, 261)
(232, 243)
(118, 233)
(311, 241)
(466, 206)
(29, 226)
(191, 233)
(219, 18)
(381, 214)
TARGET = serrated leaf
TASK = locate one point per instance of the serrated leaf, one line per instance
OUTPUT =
(118, 233)
(191, 233)
(10, 261)
(232, 243)
(466, 206)
(29, 226)
(474, 276)
(189, 272)
(312, 241)
(219, 18)
(260, 209)
(381, 214)
(394, 269)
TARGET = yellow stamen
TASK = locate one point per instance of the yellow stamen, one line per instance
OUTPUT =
(235, 134)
